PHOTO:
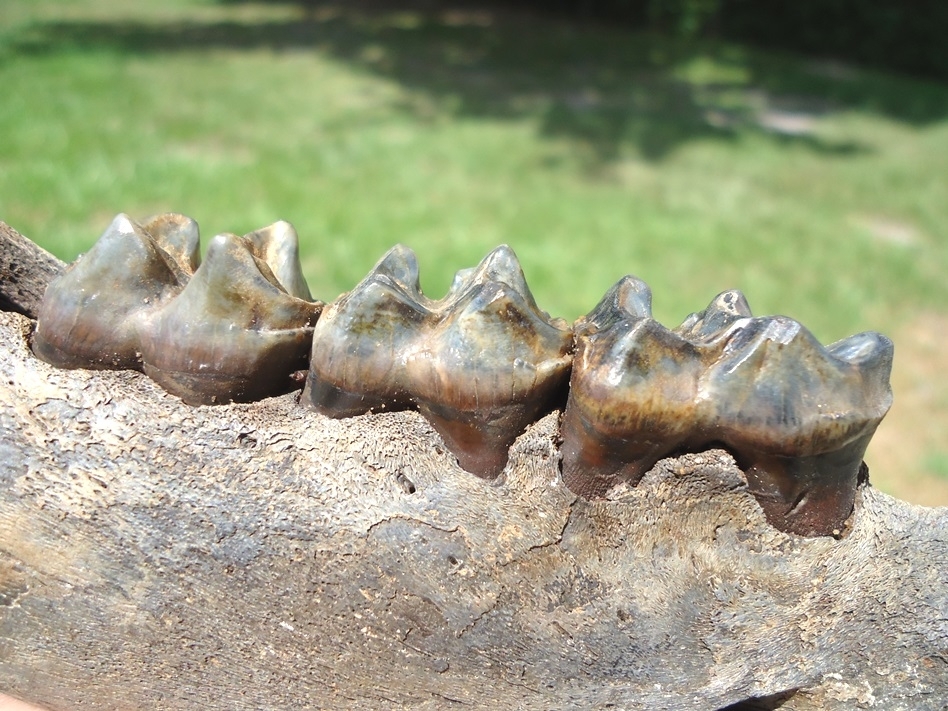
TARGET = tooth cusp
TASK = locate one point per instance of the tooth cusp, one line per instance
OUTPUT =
(92, 315)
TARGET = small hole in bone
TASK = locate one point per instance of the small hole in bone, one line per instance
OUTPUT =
(408, 486)
(452, 560)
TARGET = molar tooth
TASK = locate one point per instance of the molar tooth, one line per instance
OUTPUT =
(486, 370)
(91, 316)
(234, 333)
(480, 364)
(797, 416)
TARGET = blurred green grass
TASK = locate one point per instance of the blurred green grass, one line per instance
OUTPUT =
(819, 189)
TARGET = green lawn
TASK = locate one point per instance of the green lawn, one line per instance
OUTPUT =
(819, 189)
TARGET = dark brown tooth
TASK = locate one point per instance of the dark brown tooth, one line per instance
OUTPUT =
(233, 334)
(631, 392)
(480, 364)
(91, 316)
(796, 415)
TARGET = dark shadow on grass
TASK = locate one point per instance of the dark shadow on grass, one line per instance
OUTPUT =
(609, 89)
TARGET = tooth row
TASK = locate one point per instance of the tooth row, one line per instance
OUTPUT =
(482, 363)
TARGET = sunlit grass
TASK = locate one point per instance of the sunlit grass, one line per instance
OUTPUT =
(820, 190)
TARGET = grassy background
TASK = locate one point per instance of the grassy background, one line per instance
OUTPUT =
(820, 189)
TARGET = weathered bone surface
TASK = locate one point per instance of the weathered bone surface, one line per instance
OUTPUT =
(480, 364)
(154, 555)
(234, 328)
(797, 416)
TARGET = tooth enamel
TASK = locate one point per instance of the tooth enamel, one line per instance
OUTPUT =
(797, 416)
(91, 316)
(480, 364)
(278, 246)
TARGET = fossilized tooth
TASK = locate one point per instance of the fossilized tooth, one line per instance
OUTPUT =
(479, 364)
(491, 364)
(796, 415)
(234, 334)
(91, 316)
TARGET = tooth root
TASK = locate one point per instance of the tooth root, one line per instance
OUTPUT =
(480, 364)
(796, 415)
(278, 245)
(91, 315)
(233, 334)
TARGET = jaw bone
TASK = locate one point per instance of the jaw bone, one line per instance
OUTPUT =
(796, 415)
(216, 332)
(480, 364)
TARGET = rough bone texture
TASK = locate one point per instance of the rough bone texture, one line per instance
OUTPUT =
(154, 555)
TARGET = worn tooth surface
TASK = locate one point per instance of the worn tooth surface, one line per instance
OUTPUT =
(234, 333)
(480, 364)
(796, 415)
(490, 365)
(91, 317)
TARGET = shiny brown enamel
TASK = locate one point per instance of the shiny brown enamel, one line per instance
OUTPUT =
(233, 334)
(216, 332)
(796, 415)
(92, 316)
(480, 364)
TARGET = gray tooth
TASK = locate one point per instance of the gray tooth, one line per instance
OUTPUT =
(91, 316)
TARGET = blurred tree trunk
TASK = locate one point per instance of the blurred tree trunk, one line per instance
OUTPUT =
(154, 555)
